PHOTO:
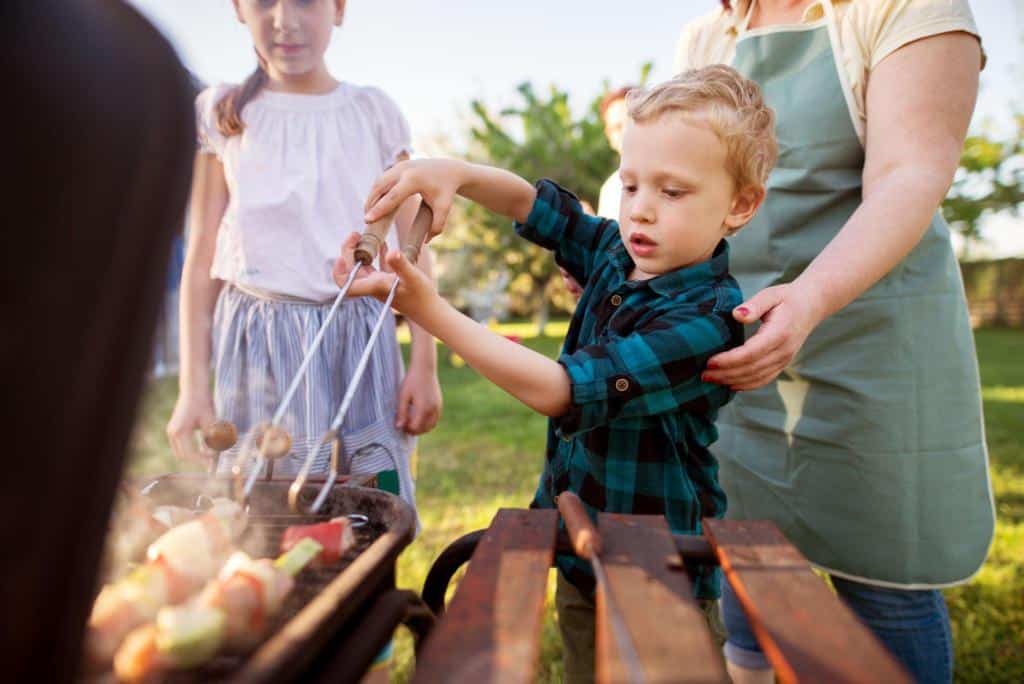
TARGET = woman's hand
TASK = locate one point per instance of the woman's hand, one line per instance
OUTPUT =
(191, 413)
(415, 290)
(419, 400)
(788, 314)
(436, 180)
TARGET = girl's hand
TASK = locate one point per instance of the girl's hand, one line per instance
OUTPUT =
(436, 180)
(414, 292)
(191, 413)
(788, 315)
(419, 401)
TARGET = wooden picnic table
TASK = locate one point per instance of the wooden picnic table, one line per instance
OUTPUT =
(491, 630)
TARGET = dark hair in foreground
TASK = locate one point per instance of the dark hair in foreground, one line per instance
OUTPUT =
(104, 137)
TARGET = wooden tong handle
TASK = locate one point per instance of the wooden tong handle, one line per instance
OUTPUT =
(584, 537)
(418, 233)
(373, 237)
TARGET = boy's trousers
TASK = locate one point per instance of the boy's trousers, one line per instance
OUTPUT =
(576, 623)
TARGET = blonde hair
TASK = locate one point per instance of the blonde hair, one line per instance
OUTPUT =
(731, 104)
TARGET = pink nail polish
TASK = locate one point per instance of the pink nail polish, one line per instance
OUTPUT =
(712, 364)
(743, 311)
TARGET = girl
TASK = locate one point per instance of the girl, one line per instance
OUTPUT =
(286, 160)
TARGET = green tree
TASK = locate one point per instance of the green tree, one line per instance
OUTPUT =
(538, 138)
(990, 180)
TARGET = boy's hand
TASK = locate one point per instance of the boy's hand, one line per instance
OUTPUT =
(414, 292)
(436, 180)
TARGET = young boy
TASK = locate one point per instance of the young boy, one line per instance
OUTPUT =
(631, 418)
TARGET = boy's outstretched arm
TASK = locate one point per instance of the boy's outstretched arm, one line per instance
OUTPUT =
(440, 180)
(532, 378)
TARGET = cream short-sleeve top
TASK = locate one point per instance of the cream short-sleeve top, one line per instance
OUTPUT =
(867, 32)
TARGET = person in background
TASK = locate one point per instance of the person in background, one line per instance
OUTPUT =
(614, 115)
(857, 428)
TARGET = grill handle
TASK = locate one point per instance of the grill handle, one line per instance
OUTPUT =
(372, 239)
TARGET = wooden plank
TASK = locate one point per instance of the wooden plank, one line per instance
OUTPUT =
(804, 629)
(655, 597)
(491, 630)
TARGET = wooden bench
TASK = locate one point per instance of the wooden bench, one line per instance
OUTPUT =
(491, 630)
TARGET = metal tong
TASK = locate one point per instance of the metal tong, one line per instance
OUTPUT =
(276, 442)
(411, 250)
(586, 542)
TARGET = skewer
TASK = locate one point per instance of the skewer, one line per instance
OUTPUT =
(279, 443)
(411, 250)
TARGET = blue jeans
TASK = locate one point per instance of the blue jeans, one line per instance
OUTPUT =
(913, 625)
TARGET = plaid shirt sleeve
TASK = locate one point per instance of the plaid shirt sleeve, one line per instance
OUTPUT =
(653, 371)
(558, 223)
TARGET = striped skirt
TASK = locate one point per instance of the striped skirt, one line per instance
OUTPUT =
(259, 343)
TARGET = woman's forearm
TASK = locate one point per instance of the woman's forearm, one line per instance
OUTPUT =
(883, 231)
(919, 103)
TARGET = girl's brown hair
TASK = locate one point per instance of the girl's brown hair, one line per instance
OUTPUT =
(229, 109)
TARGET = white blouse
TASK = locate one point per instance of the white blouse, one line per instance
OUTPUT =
(298, 177)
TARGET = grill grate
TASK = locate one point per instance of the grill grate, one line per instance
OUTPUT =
(389, 528)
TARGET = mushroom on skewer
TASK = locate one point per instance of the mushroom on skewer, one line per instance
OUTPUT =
(220, 435)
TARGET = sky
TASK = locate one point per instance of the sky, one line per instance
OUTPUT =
(434, 57)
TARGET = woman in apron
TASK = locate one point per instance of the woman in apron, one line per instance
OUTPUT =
(859, 432)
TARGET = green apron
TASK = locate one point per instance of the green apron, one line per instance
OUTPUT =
(869, 450)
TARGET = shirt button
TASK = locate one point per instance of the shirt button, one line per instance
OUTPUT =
(622, 384)
(616, 300)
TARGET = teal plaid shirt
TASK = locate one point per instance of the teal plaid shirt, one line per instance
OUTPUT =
(636, 437)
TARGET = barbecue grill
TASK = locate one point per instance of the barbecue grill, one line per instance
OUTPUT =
(338, 616)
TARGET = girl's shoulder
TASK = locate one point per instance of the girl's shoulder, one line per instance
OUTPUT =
(209, 136)
(370, 97)
(209, 96)
(393, 133)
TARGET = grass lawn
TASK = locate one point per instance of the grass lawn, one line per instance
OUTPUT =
(488, 451)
